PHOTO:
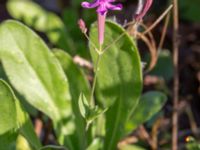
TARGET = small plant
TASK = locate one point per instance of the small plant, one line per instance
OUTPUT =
(84, 117)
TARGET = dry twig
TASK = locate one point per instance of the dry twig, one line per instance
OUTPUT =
(176, 75)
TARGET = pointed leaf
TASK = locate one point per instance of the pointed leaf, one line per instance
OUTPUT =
(7, 109)
(77, 84)
(21, 123)
(83, 106)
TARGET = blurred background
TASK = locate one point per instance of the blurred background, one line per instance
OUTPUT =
(62, 31)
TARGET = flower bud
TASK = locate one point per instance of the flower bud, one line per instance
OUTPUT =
(82, 25)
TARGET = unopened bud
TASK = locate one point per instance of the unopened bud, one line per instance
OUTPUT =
(82, 25)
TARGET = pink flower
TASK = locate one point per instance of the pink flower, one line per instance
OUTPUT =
(102, 8)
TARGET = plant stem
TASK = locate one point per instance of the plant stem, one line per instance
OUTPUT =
(95, 76)
(176, 76)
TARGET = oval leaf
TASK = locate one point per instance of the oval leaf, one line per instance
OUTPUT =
(33, 70)
(119, 81)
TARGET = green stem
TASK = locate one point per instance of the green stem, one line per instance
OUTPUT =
(95, 77)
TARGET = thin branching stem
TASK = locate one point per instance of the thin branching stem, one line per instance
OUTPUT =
(96, 69)
(158, 20)
(164, 31)
(92, 43)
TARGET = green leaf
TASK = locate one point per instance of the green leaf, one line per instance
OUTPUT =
(42, 21)
(7, 109)
(164, 66)
(21, 123)
(119, 81)
(27, 131)
(8, 140)
(22, 144)
(33, 70)
(77, 84)
(95, 145)
(131, 147)
(149, 104)
(83, 106)
(88, 112)
(52, 147)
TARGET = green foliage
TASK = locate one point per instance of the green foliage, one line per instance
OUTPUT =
(164, 66)
(77, 84)
(88, 112)
(119, 80)
(95, 145)
(52, 147)
(42, 21)
(8, 119)
(192, 144)
(22, 144)
(54, 84)
(33, 70)
(131, 147)
(20, 121)
(150, 103)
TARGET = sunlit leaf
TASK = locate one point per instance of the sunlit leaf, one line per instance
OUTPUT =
(131, 147)
(43, 21)
(33, 70)
(20, 124)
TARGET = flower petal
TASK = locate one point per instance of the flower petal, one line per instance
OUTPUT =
(102, 9)
(114, 7)
(94, 4)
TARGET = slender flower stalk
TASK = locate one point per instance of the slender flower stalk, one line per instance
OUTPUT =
(102, 8)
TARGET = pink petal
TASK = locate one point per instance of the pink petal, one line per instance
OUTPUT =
(114, 7)
(102, 9)
(90, 5)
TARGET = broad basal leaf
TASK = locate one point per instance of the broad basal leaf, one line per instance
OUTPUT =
(33, 70)
(119, 80)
